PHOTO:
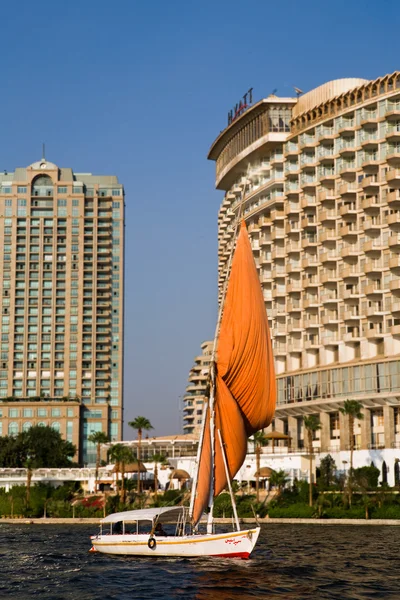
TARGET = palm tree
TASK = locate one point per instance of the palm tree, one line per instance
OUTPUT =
(122, 456)
(312, 425)
(279, 479)
(98, 438)
(352, 409)
(29, 473)
(259, 440)
(141, 424)
(157, 459)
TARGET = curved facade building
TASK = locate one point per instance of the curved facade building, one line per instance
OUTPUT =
(317, 179)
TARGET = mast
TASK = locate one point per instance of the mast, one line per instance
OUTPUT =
(210, 405)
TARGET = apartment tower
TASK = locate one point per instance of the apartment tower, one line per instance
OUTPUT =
(197, 390)
(61, 296)
(317, 179)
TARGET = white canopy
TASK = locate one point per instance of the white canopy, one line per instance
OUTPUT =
(169, 514)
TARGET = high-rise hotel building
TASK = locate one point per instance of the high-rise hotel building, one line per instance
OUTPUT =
(61, 303)
(197, 390)
(317, 179)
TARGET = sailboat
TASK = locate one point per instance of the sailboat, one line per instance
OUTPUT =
(242, 401)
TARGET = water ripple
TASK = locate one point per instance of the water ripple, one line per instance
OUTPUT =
(290, 562)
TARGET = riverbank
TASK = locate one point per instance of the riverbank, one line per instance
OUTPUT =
(250, 521)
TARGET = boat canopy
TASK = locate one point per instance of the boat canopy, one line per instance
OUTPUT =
(168, 513)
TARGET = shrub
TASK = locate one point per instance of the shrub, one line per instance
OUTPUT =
(294, 511)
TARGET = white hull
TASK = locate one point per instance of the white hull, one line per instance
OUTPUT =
(237, 544)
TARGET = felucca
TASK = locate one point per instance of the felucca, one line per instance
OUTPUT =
(242, 401)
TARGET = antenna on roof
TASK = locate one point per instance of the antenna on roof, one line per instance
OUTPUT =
(274, 92)
(298, 91)
(43, 151)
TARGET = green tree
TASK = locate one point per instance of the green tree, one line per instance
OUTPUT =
(327, 470)
(311, 425)
(279, 479)
(43, 444)
(352, 409)
(98, 438)
(259, 440)
(140, 424)
(121, 455)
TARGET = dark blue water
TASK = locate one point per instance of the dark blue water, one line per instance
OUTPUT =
(290, 561)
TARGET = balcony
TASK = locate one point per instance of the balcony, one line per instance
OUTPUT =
(351, 271)
(292, 227)
(330, 319)
(393, 199)
(394, 285)
(371, 202)
(309, 242)
(394, 240)
(374, 288)
(395, 330)
(394, 262)
(294, 287)
(349, 229)
(293, 247)
(295, 326)
(308, 202)
(310, 302)
(373, 266)
(353, 336)
(374, 333)
(352, 293)
(373, 223)
(310, 261)
(351, 315)
(311, 321)
(329, 277)
(292, 208)
(393, 177)
(293, 267)
(374, 245)
(350, 251)
(349, 188)
(329, 256)
(393, 218)
(306, 222)
(294, 346)
(312, 344)
(294, 306)
(331, 340)
(329, 297)
(310, 281)
(324, 195)
(371, 182)
(348, 209)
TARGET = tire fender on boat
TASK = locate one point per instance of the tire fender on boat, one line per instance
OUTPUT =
(152, 543)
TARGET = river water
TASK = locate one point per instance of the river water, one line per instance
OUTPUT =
(290, 561)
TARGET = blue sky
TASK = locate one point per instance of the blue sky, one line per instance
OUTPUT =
(141, 90)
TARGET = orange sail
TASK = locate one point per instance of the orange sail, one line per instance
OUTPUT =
(245, 386)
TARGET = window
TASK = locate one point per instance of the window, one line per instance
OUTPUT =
(21, 189)
(75, 202)
(56, 412)
(28, 412)
(21, 202)
(12, 428)
(13, 412)
(56, 426)
(62, 190)
(42, 412)
(26, 426)
(61, 202)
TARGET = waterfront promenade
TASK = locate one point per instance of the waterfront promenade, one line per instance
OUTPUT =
(218, 521)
